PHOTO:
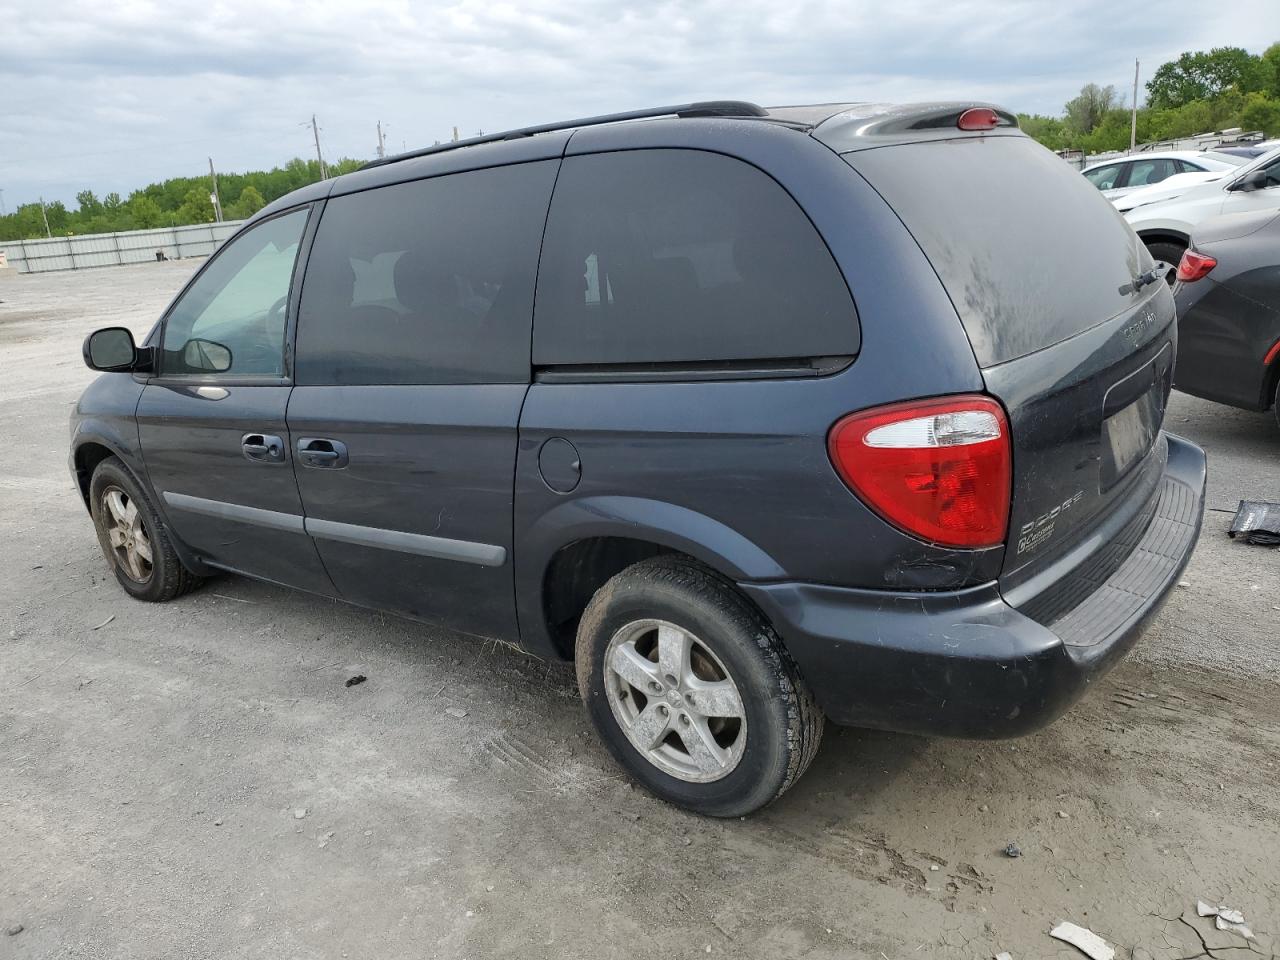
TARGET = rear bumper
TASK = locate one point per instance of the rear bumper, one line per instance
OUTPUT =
(967, 663)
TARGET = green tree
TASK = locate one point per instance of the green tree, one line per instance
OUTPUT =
(143, 213)
(1047, 130)
(1086, 111)
(90, 205)
(196, 207)
(1203, 76)
(246, 205)
(1261, 113)
(1272, 57)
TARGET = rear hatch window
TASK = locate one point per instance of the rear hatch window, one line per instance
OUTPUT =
(1029, 251)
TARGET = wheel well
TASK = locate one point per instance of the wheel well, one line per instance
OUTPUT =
(577, 571)
(88, 456)
(1158, 236)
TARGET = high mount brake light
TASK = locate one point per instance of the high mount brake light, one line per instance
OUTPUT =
(939, 469)
(978, 118)
(1194, 266)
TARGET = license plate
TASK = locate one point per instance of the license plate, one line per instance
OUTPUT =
(1128, 434)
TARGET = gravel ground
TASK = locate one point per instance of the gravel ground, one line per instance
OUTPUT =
(196, 780)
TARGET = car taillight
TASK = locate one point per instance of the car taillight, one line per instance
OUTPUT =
(939, 469)
(1194, 266)
(978, 118)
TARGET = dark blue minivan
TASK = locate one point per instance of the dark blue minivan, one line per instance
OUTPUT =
(760, 417)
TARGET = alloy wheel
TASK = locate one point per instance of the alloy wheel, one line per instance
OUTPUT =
(675, 701)
(126, 534)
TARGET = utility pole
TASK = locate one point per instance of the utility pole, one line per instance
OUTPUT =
(3, 212)
(382, 146)
(47, 232)
(1133, 117)
(315, 130)
(455, 134)
(217, 202)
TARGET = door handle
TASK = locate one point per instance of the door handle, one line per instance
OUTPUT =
(322, 452)
(262, 447)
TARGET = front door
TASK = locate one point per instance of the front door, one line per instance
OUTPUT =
(412, 366)
(212, 421)
(1265, 197)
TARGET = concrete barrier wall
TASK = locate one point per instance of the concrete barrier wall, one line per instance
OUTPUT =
(113, 249)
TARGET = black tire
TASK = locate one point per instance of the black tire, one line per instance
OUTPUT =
(165, 576)
(782, 724)
(1170, 253)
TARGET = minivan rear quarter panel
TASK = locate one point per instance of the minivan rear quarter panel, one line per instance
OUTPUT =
(800, 521)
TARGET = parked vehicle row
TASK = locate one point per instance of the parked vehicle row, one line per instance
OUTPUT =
(1165, 214)
(760, 417)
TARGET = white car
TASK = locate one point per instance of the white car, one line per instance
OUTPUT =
(1124, 175)
(1164, 215)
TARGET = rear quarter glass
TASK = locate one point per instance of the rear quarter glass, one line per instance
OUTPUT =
(1028, 250)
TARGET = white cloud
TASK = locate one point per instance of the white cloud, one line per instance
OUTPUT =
(115, 95)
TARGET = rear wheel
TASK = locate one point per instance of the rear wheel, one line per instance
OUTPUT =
(1170, 253)
(133, 537)
(692, 691)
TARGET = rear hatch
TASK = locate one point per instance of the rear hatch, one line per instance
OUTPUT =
(1043, 273)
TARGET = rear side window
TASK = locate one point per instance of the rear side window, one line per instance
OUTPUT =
(672, 256)
(1030, 253)
(425, 282)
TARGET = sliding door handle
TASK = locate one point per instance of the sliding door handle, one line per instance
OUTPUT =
(322, 452)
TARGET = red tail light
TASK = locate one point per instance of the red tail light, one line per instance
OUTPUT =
(978, 118)
(939, 469)
(1194, 266)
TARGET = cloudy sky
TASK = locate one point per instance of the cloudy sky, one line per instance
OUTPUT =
(114, 94)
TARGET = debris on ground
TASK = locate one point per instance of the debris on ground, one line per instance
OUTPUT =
(358, 678)
(105, 622)
(456, 712)
(1086, 941)
(1013, 850)
(1224, 918)
(299, 813)
(1258, 522)
(1004, 956)
(14, 929)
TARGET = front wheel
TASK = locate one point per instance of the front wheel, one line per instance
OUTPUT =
(133, 537)
(691, 690)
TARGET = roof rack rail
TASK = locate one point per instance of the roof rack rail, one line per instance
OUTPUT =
(705, 108)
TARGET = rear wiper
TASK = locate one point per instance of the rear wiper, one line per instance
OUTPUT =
(1155, 274)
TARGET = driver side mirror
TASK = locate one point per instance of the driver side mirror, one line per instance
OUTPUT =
(111, 350)
(1253, 181)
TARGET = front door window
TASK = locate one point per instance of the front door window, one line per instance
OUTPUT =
(231, 321)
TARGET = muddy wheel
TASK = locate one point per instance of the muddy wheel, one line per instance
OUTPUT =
(691, 690)
(133, 537)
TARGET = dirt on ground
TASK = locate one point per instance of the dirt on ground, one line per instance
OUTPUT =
(197, 780)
